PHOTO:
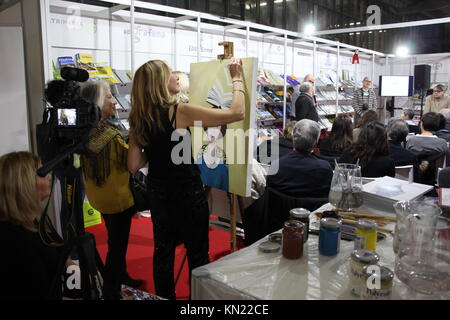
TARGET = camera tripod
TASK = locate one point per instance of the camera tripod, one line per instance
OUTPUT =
(75, 236)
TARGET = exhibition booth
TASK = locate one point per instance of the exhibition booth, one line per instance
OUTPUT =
(112, 42)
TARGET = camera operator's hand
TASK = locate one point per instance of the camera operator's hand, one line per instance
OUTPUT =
(235, 67)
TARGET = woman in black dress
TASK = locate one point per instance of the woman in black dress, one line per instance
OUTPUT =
(178, 204)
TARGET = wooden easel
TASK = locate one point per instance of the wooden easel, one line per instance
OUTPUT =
(234, 200)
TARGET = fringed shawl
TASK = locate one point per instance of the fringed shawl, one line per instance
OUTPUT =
(97, 160)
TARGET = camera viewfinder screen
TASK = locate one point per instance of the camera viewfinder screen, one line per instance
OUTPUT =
(67, 117)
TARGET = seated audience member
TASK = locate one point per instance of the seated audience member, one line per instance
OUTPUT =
(372, 150)
(340, 137)
(367, 117)
(285, 145)
(28, 267)
(446, 113)
(438, 100)
(427, 143)
(304, 105)
(300, 173)
(408, 116)
(397, 131)
(442, 133)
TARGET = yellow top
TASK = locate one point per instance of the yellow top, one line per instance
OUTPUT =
(115, 195)
(434, 105)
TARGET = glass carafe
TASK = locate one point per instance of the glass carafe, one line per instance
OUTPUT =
(346, 187)
(422, 261)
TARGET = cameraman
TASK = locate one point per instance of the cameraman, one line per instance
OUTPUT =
(106, 178)
(364, 99)
(27, 266)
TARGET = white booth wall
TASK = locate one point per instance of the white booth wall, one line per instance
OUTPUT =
(13, 104)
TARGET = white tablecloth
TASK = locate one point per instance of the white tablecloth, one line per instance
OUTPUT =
(251, 274)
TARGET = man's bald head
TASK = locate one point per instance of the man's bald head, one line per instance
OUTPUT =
(309, 78)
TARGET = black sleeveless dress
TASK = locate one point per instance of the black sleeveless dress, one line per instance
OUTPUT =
(179, 209)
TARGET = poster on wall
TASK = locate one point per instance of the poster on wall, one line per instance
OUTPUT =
(224, 154)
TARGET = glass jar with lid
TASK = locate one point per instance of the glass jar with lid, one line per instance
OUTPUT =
(359, 259)
(302, 215)
(329, 236)
(292, 240)
(366, 231)
(378, 284)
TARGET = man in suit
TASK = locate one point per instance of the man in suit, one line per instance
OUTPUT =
(300, 173)
(304, 106)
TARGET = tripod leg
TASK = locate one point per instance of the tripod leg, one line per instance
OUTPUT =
(88, 264)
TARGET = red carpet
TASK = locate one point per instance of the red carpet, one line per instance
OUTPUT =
(140, 253)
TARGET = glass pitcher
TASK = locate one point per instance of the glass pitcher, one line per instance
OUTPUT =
(422, 244)
(346, 187)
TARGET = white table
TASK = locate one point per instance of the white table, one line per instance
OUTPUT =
(251, 274)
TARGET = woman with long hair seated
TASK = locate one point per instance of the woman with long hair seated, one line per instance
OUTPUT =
(367, 117)
(107, 183)
(28, 268)
(372, 151)
(339, 139)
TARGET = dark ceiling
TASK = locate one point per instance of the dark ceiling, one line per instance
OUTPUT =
(334, 14)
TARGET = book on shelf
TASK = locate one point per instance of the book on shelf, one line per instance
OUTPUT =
(105, 72)
(86, 61)
(56, 72)
(264, 115)
(122, 75)
(66, 61)
(218, 97)
(124, 101)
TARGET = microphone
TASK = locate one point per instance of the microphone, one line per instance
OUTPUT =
(74, 74)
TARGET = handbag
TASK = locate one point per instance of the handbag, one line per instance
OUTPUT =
(138, 186)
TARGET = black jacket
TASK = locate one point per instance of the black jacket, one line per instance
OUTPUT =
(305, 109)
(27, 267)
(326, 149)
(400, 155)
(301, 175)
(285, 146)
(380, 165)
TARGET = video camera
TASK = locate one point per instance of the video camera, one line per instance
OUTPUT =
(71, 117)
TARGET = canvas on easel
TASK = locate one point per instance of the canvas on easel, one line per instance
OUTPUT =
(224, 154)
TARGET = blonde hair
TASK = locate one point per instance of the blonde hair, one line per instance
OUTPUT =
(94, 91)
(289, 130)
(183, 95)
(150, 97)
(19, 199)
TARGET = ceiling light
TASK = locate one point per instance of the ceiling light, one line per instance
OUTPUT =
(309, 29)
(263, 4)
(402, 51)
